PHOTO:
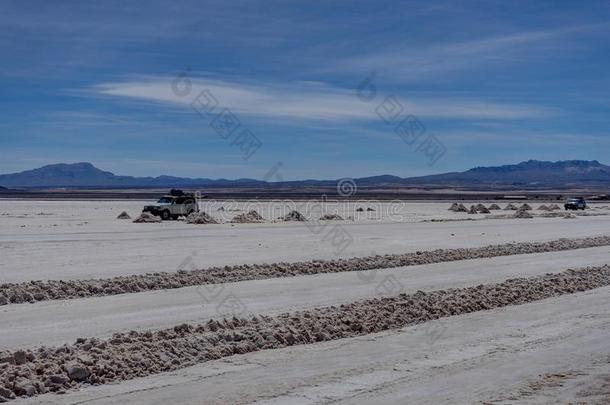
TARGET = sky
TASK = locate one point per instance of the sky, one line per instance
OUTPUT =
(285, 90)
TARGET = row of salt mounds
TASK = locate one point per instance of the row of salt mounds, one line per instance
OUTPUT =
(294, 216)
(252, 217)
(70, 289)
(331, 217)
(510, 207)
(146, 217)
(132, 354)
(200, 218)
(23, 372)
(123, 215)
(455, 207)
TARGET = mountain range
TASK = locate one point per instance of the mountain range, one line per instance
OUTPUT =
(530, 174)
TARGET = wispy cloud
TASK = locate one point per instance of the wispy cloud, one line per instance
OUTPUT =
(428, 60)
(310, 101)
(514, 137)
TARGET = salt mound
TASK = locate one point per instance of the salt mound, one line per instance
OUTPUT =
(554, 207)
(370, 209)
(510, 207)
(251, 217)
(455, 207)
(146, 217)
(473, 210)
(360, 209)
(569, 216)
(525, 207)
(482, 209)
(522, 214)
(221, 209)
(494, 207)
(331, 217)
(200, 218)
(294, 216)
(544, 208)
(123, 215)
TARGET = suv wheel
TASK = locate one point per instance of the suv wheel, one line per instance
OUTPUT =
(165, 215)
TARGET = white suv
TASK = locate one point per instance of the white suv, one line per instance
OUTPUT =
(173, 205)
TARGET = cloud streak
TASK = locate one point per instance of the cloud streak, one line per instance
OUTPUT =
(311, 101)
(417, 62)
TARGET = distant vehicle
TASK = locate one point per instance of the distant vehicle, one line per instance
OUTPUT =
(175, 204)
(577, 203)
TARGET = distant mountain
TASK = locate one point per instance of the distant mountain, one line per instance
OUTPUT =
(86, 175)
(530, 174)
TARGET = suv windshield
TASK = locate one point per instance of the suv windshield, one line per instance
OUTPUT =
(165, 200)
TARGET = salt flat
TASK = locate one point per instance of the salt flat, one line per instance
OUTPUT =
(487, 356)
(59, 322)
(516, 353)
(82, 239)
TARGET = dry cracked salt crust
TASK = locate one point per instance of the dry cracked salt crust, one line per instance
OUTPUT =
(33, 291)
(134, 354)
(590, 385)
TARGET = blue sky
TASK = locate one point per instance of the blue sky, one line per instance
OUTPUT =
(495, 82)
